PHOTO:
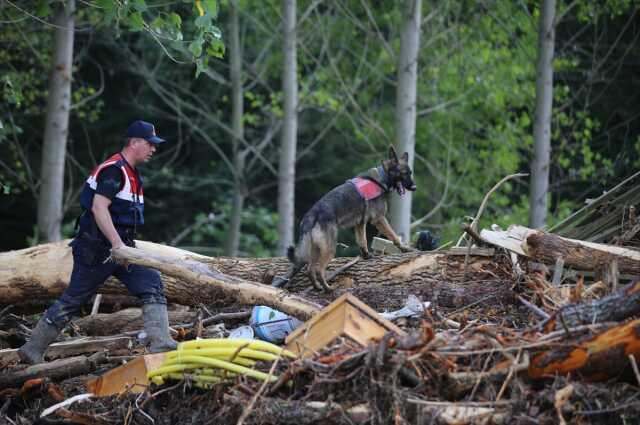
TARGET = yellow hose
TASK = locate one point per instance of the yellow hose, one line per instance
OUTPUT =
(194, 362)
(227, 343)
(224, 352)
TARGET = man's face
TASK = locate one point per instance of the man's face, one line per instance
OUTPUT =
(144, 150)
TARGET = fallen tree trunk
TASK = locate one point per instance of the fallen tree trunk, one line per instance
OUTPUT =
(42, 272)
(548, 248)
(612, 308)
(56, 370)
(130, 319)
(594, 358)
(189, 272)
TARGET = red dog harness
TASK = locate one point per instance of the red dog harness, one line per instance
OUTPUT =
(368, 189)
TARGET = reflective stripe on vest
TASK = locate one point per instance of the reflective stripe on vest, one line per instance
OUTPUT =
(131, 183)
(127, 207)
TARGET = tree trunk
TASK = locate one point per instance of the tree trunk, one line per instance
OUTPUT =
(127, 320)
(547, 248)
(383, 282)
(56, 127)
(237, 110)
(287, 164)
(406, 94)
(542, 128)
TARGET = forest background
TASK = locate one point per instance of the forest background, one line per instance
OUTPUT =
(172, 63)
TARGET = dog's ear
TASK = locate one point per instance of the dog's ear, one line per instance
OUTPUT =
(405, 157)
(392, 153)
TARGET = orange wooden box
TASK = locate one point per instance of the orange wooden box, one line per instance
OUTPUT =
(346, 317)
(132, 376)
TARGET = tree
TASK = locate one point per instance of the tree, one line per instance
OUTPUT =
(540, 162)
(57, 126)
(240, 192)
(287, 163)
(405, 117)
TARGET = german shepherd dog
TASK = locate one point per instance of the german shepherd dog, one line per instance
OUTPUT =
(355, 203)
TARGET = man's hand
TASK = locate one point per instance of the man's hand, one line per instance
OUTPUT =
(117, 246)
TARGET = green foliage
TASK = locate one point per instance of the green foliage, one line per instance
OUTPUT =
(259, 231)
(203, 38)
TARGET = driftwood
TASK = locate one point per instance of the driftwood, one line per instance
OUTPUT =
(42, 272)
(58, 369)
(73, 348)
(612, 308)
(594, 358)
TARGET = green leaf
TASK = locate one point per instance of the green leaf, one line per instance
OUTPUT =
(107, 5)
(175, 19)
(43, 9)
(215, 31)
(195, 47)
(211, 6)
(216, 49)
(136, 22)
(203, 21)
(201, 66)
(140, 5)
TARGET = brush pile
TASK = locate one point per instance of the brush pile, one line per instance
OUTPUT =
(509, 338)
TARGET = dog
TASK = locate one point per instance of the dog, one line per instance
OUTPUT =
(355, 203)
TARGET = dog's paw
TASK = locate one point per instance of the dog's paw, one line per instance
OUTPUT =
(406, 248)
(365, 255)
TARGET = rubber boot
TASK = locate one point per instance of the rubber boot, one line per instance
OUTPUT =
(156, 325)
(42, 335)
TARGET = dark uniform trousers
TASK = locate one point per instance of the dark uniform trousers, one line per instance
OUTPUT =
(87, 277)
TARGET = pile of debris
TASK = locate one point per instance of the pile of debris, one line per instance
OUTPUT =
(524, 327)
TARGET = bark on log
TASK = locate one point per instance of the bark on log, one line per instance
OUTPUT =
(612, 308)
(383, 282)
(197, 273)
(595, 358)
(58, 369)
(547, 248)
(130, 319)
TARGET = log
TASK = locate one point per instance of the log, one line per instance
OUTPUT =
(130, 319)
(613, 308)
(212, 281)
(73, 348)
(383, 282)
(594, 358)
(548, 248)
(55, 370)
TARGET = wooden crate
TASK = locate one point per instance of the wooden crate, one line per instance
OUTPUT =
(132, 376)
(346, 317)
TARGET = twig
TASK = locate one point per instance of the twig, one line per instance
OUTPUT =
(634, 365)
(534, 308)
(474, 222)
(461, 403)
(509, 376)
(249, 408)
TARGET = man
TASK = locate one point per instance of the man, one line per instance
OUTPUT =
(113, 206)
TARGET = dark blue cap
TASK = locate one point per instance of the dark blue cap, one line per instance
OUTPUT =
(143, 130)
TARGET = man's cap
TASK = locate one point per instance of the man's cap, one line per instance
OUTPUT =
(143, 130)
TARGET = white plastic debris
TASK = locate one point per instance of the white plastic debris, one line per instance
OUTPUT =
(412, 307)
